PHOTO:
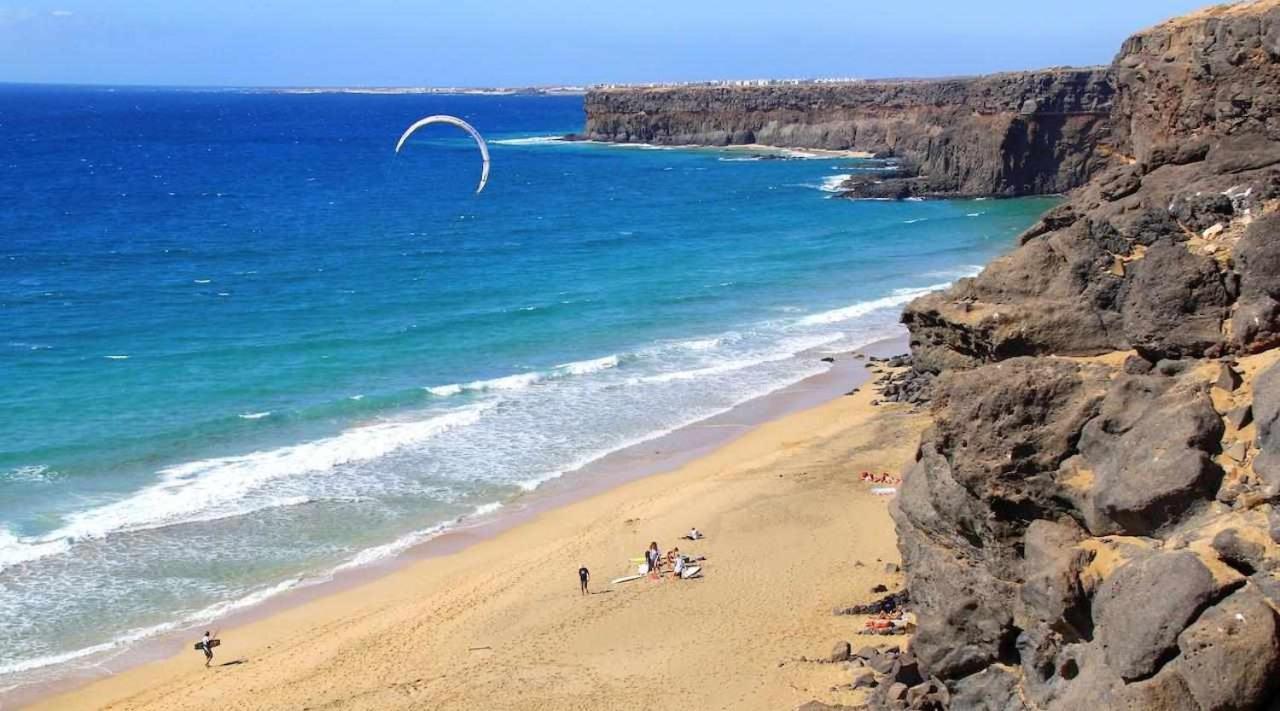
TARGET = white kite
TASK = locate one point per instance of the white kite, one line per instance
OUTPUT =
(455, 121)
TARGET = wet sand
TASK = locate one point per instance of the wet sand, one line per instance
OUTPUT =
(489, 616)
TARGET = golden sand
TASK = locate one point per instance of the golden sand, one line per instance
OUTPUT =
(791, 534)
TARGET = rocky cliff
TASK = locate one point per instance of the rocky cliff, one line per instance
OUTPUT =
(1094, 519)
(1005, 134)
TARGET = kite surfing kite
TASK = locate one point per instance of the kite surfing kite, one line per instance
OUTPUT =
(454, 121)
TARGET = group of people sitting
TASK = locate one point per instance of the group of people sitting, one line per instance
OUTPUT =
(881, 478)
(674, 561)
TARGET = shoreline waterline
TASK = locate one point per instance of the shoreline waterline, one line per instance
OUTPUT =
(663, 453)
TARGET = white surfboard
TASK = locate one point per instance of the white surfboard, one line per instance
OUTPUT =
(626, 579)
(692, 571)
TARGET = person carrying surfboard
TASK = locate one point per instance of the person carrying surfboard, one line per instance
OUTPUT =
(206, 644)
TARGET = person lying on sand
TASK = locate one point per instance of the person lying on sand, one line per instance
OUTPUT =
(882, 478)
(693, 535)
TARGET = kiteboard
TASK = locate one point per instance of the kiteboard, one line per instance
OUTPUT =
(212, 643)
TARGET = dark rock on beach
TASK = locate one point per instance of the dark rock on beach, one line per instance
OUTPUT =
(1093, 520)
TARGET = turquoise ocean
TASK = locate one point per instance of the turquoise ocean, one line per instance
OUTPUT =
(243, 345)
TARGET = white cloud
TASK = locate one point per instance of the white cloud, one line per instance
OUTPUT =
(61, 13)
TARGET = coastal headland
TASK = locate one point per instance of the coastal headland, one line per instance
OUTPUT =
(1017, 133)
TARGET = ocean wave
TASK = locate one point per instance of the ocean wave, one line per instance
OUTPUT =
(212, 488)
(29, 346)
(586, 367)
(530, 141)
(116, 357)
(255, 415)
(208, 614)
(223, 608)
(15, 550)
(522, 381)
(700, 344)
(375, 554)
(787, 348)
(833, 183)
(912, 222)
(966, 270)
(31, 473)
(898, 297)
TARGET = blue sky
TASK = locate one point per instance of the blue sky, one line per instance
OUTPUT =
(510, 43)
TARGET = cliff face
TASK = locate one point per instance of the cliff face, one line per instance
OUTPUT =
(1005, 134)
(1094, 519)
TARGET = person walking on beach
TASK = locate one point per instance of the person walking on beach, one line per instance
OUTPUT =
(207, 644)
(584, 576)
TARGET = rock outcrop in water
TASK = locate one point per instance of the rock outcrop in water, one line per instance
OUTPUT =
(1093, 522)
(1008, 134)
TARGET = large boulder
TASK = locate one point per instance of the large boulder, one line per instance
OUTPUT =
(1255, 325)
(1174, 303)
(1230, 656)
(1142, 608)
(1266, 413)
(1150, 450)
(1052, 593)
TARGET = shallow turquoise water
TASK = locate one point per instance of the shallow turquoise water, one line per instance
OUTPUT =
(244, 344)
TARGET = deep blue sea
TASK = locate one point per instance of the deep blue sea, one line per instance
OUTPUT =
(243, 344)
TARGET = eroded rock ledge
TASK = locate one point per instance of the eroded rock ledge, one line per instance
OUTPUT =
(1006, 134)
(1093, 522)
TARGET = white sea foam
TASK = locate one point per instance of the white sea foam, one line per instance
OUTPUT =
(786, 349)
(208, 614)
(15, 550)
(899, 297)
(409, 540)
(530, 141)
(973, 214)
(203, 281)
(255, 415)
(221, 609)
(586, 367)
(445, 390)
(116, 357)
(519, 381)
(212, 488)
(31, 473)
(912, 222)
(701, 344)
(966, 270)
(833, 183)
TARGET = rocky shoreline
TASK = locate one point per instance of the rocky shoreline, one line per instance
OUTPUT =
(1093, 521)
(1017, 133)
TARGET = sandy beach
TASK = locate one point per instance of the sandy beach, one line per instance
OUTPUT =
(791, 533)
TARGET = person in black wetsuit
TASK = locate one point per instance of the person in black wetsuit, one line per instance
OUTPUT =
(584, 575)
